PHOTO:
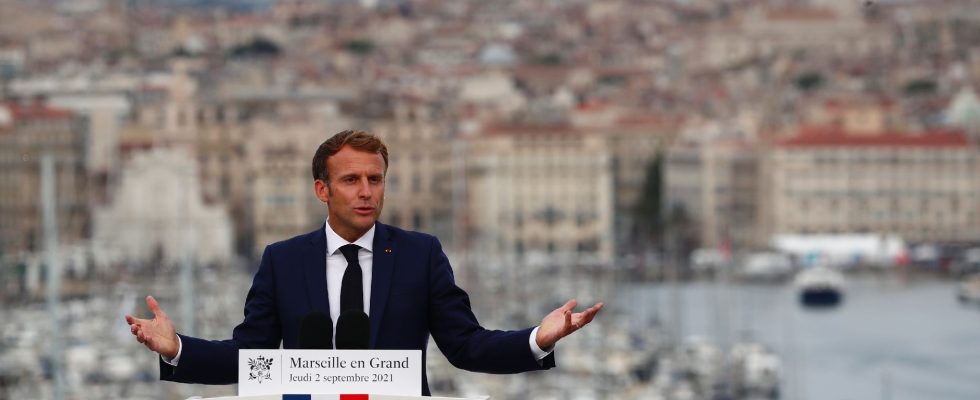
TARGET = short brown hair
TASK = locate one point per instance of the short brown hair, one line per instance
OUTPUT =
(358, 140)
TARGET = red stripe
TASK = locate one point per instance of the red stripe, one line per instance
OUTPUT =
(353, 397)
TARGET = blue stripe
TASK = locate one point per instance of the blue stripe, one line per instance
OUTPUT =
(296, 397)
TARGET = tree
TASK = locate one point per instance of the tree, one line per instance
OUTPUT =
(678, 224)
(180, 51)
(258, 47)
(551, 58)
(648, 209)
(809, 81)
(360, 47)
(919, 87)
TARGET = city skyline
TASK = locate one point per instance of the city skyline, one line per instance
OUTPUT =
(613, 141)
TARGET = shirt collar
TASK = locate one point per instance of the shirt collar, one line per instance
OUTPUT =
(335, 242)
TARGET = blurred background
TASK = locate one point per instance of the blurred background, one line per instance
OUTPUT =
(774, 198)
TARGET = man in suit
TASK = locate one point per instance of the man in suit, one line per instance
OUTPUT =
(401, 279)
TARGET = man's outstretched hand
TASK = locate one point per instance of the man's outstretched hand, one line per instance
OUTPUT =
(156, 334)
(562, 322)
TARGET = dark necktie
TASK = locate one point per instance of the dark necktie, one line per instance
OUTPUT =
(351, 287)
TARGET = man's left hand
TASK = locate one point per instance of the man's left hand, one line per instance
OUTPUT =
(562, 322)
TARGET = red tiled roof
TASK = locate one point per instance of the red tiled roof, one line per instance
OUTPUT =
(835, 137)
(37, 111)
(554, 72)
(535, 130)
(249, 20)
(592, 105)
(150, 87)
(610, 70)
(648, 119)
(426, 70)
(847, 103)
(800, 13)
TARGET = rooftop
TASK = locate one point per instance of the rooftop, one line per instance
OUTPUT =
(817, 136)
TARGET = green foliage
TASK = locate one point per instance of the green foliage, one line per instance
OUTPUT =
(258, 47)
(360, 47)
(920, 87)
(678, 219)
(809, 81)
(612, 80)
(649, 205)
(180, 51)
(547, 59)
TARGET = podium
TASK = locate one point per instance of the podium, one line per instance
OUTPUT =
(339, 397)
(273, 374)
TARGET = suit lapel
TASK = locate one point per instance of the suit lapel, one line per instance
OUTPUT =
(316, 272)
(381, 270)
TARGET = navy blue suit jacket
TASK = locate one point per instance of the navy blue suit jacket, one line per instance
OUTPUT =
(413, 295)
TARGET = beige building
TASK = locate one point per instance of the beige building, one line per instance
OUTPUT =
(27, 131)
(922, 187)
(762, 30)
(253, 142)
(540, 194)
(858, 116)
(280, 199)
(157, 210)
(717, 185)
(283, 203)
(419, 184)
(174, 112)
(633, 142)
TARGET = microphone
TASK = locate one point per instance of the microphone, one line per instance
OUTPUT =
(316, 331)
(353, 330)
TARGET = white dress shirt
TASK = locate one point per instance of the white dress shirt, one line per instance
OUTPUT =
(337, 264)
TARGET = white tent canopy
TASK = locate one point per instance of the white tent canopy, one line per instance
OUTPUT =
(842, 249)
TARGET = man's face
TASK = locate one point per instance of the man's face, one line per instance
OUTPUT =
(356, 191)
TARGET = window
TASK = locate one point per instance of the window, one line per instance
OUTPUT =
(391, 183)
(589, 245)
(225, 186)
(416, 183)
(417, 221)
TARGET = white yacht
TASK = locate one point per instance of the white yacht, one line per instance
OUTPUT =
(757, 371)
(820, 287)
(968, 290)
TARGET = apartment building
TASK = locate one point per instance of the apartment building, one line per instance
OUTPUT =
(718, 186)
(419, 184)
(923, 187)
(27, 132)
(633, 142)
(158, 211)
(540, 192)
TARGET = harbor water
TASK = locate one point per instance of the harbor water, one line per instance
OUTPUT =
(890, 338)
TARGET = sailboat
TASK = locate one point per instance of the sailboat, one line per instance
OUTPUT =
(968, 289)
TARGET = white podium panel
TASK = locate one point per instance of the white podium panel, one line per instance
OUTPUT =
(379, 372)
(341, 397)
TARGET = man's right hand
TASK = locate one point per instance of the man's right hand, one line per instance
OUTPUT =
(156, 334)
